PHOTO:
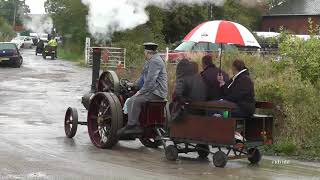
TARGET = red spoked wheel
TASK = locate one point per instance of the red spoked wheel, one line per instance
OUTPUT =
(71, 122)
(104, 119)
(109, 82)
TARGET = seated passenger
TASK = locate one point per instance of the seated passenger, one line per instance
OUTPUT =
(181, 72)
(189, 85)
(240, 90)
(209, 74)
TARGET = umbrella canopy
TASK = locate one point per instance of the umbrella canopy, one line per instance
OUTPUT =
(222, 32)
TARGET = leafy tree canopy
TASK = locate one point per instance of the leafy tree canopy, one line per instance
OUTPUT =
(8, 8)
(69, 17)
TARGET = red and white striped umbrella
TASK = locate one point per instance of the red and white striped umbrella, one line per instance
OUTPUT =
(222, 32)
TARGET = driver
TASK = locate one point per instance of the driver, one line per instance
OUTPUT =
(53, 43)
(155, 87)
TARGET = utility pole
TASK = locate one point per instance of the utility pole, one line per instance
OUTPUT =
(14, 14)
(210, 11)
(15, 9)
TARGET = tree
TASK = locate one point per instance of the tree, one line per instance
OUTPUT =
(247, 16)
(181, 19)
(69, 17)
(6, 32)
(14, 10)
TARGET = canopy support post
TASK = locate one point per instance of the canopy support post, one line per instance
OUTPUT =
(220, 58)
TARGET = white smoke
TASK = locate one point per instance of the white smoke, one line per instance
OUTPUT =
(108, 16)
(38, 23)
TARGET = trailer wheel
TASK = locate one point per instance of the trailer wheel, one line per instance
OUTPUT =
(202, 150)
(171, 153)
(71, 122)
(220, 159)
(104, 119)
(254, 155)
(150, 142)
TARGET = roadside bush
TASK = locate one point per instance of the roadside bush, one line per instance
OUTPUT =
(6, 31)
(71, 52)
(305, 54)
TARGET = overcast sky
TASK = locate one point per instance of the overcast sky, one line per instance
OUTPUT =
(36, 6)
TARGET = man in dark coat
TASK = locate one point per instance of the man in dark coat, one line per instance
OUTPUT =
(209, 74)
(155, 87)
(40, 46)
(240, 90)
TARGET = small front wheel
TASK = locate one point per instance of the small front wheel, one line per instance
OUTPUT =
(171, 153)
(71, 122)
(220, 159)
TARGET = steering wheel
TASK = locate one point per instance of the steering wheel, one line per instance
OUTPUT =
(124, 82)
(109, 82)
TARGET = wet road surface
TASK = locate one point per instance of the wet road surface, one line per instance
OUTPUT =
(33, 100)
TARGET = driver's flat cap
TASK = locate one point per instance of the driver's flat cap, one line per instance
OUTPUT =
(150, 46)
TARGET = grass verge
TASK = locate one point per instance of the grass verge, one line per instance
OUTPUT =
(71, 55)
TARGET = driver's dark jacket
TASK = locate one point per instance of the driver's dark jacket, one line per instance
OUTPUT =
(155, 77)
(241, 92)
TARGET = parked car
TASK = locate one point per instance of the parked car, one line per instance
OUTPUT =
(10, 55)
(23, 42)
(188, 48)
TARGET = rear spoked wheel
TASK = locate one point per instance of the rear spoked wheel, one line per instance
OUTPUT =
(104, 119)
(71, 122)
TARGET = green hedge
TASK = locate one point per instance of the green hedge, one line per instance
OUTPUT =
(6, 31)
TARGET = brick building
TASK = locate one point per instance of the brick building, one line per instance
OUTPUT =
(293, 16)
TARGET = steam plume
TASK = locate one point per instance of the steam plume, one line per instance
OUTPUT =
(38, 23)
(108, 16)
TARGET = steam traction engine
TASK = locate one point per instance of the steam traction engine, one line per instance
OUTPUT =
(197, 131)
(105, 115)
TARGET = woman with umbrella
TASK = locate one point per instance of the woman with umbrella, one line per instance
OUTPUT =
(239, 89)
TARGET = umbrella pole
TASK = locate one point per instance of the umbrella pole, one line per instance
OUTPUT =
(220, 57)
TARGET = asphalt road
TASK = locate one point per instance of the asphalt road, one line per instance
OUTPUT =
(33, 100)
